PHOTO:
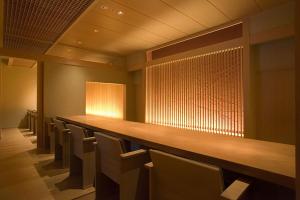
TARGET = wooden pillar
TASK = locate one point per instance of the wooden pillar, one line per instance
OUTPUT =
(1, 23)
(1, 97)
(1, 46)
(40, 107)
(248, 85)
(297, 92)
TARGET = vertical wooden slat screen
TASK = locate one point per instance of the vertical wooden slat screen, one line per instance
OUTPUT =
(202, 92)
(105, 99)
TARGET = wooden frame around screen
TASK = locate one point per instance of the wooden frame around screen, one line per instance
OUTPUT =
(247, 73)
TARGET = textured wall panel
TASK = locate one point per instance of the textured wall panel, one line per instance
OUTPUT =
(201, 93)
(105, 99)
(34, 25)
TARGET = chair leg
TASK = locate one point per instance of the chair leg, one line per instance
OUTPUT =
(52, 142)
(58, 152)
(66, 152)
(135, 185)
(88, 169)
(106, 188)
(75, 166)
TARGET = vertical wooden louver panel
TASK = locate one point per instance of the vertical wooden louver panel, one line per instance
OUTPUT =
(34, 25)
(201, 92)
(105, 99)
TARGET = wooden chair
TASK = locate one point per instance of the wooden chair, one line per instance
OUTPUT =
(62, 143)
(32, 123)
(29, 120)
(35, 116)
(119, 174)
(51, 134)
(82, 155)
(176, 178)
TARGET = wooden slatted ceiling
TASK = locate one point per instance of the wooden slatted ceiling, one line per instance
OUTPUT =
(146, 24)
(34, 25)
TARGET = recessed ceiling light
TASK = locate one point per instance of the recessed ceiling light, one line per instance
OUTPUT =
(104, 7)
(120, 12)
(96, 30)
(79, 42)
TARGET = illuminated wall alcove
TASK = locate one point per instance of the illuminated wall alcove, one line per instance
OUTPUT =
(202, 92)
(105, 99)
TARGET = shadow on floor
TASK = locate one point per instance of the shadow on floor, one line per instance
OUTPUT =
(71, 182)
(88, 196)
(49, 168)
(34, 152)
(23, 130)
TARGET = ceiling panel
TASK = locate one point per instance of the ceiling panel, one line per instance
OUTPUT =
(104, 41)
(201, 10)
(146, 24)
(123, 29)
(235, 9)
(137, 19)
(163, 13)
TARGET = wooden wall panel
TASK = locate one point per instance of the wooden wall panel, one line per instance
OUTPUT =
(201, 92)
(105, 99)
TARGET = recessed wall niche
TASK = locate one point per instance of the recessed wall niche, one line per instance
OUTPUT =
(106, 99)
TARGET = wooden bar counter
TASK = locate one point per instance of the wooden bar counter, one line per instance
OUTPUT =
(269, 161)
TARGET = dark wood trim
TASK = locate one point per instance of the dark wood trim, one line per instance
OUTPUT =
(41, 142)
(218, 36)
(297, 92)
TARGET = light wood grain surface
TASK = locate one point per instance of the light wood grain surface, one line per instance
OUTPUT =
(268, 161)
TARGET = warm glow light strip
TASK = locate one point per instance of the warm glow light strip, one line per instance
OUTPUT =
(105, 99)
(201, 92)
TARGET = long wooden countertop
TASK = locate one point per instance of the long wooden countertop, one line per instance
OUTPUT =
(273, 162)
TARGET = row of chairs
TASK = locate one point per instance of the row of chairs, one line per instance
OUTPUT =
(116, 172)
(32, 121)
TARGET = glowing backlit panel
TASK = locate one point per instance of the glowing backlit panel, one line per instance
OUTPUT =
(202, 93)
(105, 99)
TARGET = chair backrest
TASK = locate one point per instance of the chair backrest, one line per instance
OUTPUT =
(176, 178)
(109, 149)
(77, 135)
(59, 127)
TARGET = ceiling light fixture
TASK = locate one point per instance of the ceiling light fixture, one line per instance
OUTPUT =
(96, 30)
(104, 7)
(79, 42)
(120, 12)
